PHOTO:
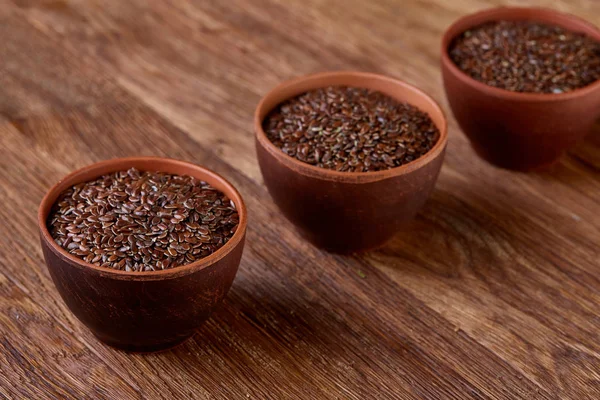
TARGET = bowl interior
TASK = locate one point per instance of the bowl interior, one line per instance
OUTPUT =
(171, 166)
(567, 21)
(544, 15)
(391, 87)
(394, 88)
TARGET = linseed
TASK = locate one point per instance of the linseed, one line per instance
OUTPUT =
(142, 221)
(350, 129)
(527, 56)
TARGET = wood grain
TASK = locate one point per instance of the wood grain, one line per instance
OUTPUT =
(492, 293)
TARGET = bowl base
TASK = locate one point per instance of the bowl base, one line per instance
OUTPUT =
(342, 248)
(512, 165)
(153, 348)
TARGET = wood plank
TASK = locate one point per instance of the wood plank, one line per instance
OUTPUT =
(35, 78)
(491, 293)
(407, 347)
(502, 293)
(40, 359)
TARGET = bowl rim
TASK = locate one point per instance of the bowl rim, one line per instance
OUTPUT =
(327, 174)
(539, 14)
(119, 164)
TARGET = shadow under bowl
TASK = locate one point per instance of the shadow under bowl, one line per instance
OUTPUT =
(348, 212)
(513, 130)
(143, 311)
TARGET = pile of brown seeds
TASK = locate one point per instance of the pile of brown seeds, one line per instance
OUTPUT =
(142, 221)
(526, 56)
(350, 129)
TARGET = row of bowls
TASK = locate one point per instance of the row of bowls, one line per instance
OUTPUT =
(340, 211)
(349, 212)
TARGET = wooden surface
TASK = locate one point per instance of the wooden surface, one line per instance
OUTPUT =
(493, 292)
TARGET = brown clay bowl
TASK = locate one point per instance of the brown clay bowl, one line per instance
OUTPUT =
(143, 311)
(348, 212)
(519, 131)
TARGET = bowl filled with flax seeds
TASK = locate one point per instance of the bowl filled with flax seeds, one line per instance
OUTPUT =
(523, 83)
(349, 157)
(142, 250)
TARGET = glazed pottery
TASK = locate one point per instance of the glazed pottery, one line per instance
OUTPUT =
(348, 211)
(143, 311)
(519, 131)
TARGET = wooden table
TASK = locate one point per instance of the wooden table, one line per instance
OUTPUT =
(493, 292)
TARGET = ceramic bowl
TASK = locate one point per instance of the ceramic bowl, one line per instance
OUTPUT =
(348, 212)
(143, 311)
(519, 131)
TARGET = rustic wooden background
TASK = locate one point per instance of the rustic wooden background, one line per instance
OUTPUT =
(492, 293)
